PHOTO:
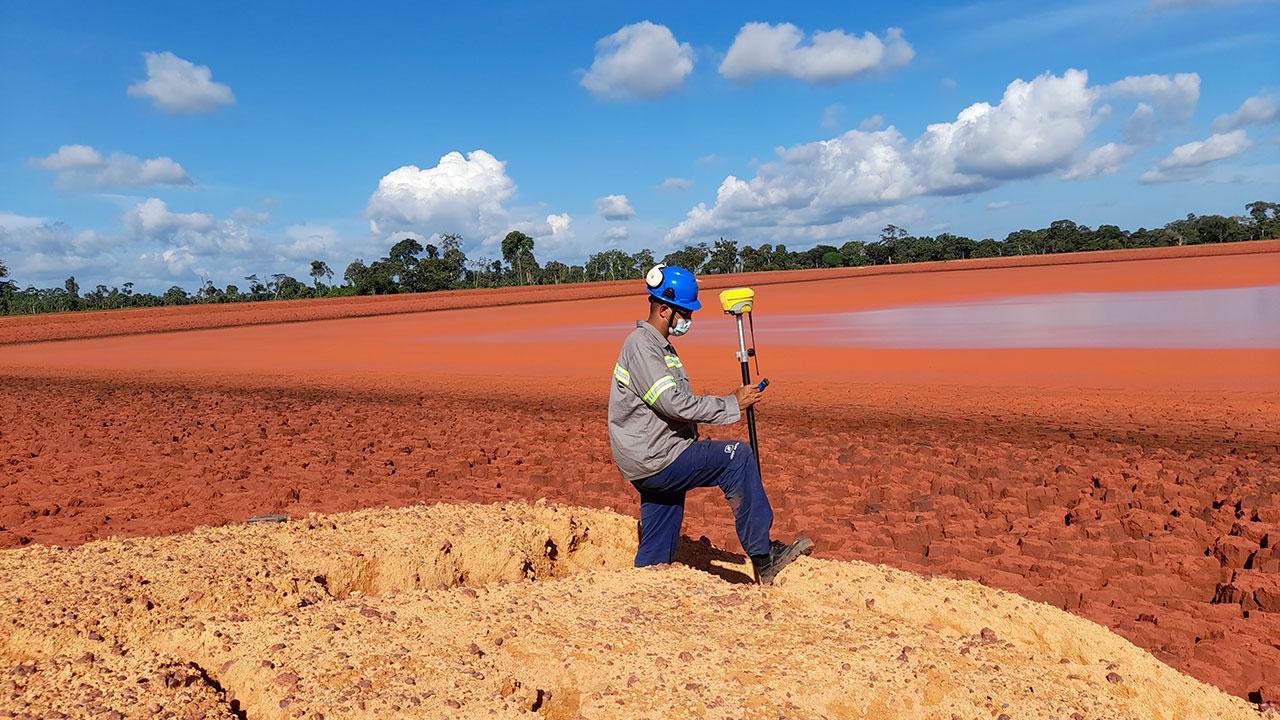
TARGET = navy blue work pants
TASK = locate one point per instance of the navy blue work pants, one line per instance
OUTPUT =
(731, 466)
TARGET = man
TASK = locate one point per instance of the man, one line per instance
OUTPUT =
(653, 417)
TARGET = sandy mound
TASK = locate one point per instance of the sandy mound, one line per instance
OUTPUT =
(510, 610)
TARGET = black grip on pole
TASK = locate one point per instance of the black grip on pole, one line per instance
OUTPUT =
(751, 416)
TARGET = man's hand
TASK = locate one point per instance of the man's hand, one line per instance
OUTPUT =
(747, 396)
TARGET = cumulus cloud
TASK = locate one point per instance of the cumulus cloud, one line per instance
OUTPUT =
(1104, 160)
(614, 207)
(1257, 110)
(459, 195)
(1186, 160)
(83, 167)
(641, 61)
(37, 249)
(152, 218)
(764, 50)
(156, 247)
(676, 183)
(1176, 95)
(616, 234)
(561, 225)
(194, 235)
(871, 124)
(176, 85)
(1141, 128)
(814, 188)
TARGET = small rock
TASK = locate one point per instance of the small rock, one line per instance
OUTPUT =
(1113, 678)
(686, 656)
(988, 635)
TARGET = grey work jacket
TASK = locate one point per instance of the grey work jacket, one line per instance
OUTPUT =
(653, 413)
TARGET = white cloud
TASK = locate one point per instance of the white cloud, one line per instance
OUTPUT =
(640, 61)
(831, 115)
(708, 160)
(676, 183)
(459, 194)
(1104, 160)
(195, 233)
(151, 218)
(1035, 129)
(1164, 99)
(561, 225)
(1185, 160)
(999, 205)
(177, 262)
(616, 234)
(1257, 110)
(947, 83)
(71, 157)
(764, 50)
(42, 252)
(1176, 95)
(82, 167)
(1141, 128)
(871, 124)
(554, 238)
(816, 188)
(179, 86)
(614, 207)
(14, 221)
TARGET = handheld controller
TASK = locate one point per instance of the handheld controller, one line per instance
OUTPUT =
(764, 383)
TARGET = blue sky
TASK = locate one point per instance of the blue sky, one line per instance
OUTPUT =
(161, 143)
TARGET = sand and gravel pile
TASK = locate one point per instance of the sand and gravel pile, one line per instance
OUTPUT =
(517, 610)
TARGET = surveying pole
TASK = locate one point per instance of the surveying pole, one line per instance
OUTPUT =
(737, 302)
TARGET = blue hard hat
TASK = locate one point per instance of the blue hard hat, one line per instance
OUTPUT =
(674, 286)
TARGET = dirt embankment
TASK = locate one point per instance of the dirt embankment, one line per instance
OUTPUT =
(519, 611)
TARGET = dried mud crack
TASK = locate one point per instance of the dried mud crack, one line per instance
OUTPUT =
(518, 610)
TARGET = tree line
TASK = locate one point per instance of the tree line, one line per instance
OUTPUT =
(409, 266)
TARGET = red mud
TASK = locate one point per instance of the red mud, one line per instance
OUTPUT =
(1134, 487)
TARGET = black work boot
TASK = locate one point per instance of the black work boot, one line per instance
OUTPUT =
(780, 555)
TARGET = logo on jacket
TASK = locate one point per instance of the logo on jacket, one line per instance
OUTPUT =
(731, 449)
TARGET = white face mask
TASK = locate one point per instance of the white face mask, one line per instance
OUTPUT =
(681, 327)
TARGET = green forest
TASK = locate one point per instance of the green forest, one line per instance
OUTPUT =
(410, 266)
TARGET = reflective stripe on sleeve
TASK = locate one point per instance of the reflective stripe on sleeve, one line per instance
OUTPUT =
(672, 361)
(621, 375)
(661, 385)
